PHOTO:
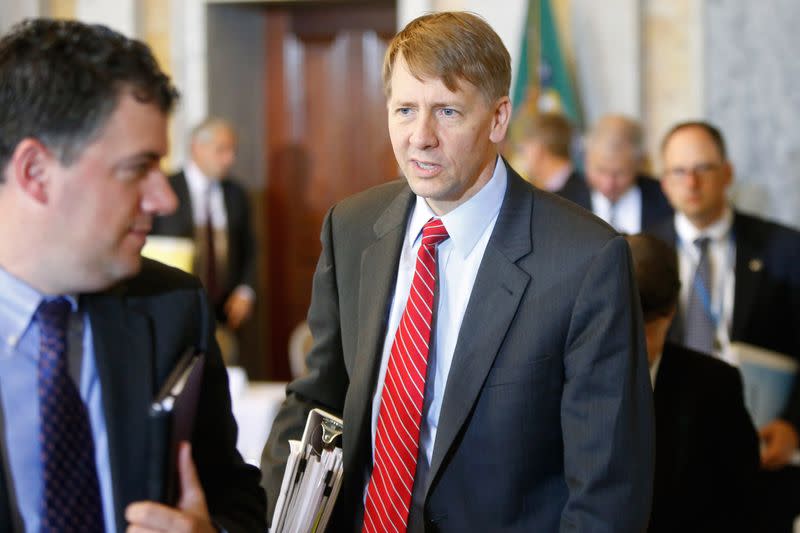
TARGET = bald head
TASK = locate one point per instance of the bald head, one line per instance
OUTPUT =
(213, 147)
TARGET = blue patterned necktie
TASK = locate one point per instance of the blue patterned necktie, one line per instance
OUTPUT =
(700, 330)
(70, 489)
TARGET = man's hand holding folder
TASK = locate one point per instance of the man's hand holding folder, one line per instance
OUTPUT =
(178, 501)
(189, 515)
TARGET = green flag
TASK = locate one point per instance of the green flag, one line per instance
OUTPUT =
(542, 82)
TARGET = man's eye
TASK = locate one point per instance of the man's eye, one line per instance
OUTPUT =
(448, 112)
(135, 172)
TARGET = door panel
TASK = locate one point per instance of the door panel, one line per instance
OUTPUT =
(326, 139)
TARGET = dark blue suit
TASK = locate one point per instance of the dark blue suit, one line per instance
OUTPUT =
(706, 447)
(140, 328)
(655, 207)
(766, 313)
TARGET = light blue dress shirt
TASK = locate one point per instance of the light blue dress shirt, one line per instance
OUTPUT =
(470, 226)
(19, 355)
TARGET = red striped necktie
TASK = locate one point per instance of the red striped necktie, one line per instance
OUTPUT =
(400, 415)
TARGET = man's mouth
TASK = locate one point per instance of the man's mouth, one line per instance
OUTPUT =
(425, 166)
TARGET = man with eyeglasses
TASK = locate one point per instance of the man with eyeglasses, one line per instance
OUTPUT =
(740, 283)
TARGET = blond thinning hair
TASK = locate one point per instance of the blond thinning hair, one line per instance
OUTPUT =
(451, 46)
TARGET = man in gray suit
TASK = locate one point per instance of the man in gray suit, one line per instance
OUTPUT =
(498, 380)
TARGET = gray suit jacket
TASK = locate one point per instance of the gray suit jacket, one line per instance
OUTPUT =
(546, 422)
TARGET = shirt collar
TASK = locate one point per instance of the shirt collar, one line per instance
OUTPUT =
(466, 223)
(605, 206)
(654, 370)
(717, 231)
(18, 303)
(196, 180)
(557, 181)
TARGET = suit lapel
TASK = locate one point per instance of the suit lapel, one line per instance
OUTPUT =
(498, 289)
(376, 285)
(184, 217)
(123, 345)
(749, 269)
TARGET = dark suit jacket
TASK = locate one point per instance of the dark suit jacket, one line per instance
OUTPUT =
(546, 421)
(241, 245)
(706, 447)
(655, 206)
(140, 329)
(766, 301)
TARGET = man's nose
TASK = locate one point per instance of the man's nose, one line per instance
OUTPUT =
(424, 134)
(158, 197)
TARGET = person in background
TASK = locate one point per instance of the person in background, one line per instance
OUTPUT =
(479, 337)
(614, 189)
(545, 151)
(706, 446)
(740, 284)
(213, 209)
(89, 330)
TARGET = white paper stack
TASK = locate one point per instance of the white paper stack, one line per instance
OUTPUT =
(312, 477)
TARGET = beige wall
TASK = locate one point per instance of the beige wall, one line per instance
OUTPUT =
(672, 72)
(644, 58)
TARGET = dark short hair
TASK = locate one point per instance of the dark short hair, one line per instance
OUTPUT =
(451, 46)
(710, 129)
(61, 80)
(655, 266)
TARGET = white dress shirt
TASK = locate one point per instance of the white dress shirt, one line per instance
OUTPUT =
(625, 215)
(469, 225)
(722, 258)
(205, 192)
(200, 187)
(654, 370)
(556, 182)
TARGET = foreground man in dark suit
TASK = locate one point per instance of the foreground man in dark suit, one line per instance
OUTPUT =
(706, 445)
(83, 113)
(534, 406)
(753, 288)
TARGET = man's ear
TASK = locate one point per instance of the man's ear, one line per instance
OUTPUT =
(501, 119)
(29, 166)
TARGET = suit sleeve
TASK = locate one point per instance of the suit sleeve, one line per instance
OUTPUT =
(326, 383)
(607, 402)
(247, 243)
(234, 497)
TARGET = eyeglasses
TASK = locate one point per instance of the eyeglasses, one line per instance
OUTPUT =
(701, 170)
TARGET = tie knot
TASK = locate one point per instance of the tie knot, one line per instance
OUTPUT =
(433, 232)
(53, 314)
(702, 244)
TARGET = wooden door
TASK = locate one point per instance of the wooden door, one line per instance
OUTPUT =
(326, 139)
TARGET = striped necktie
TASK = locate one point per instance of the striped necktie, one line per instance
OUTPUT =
(700, 330)
(70, 489)
(400, 415)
